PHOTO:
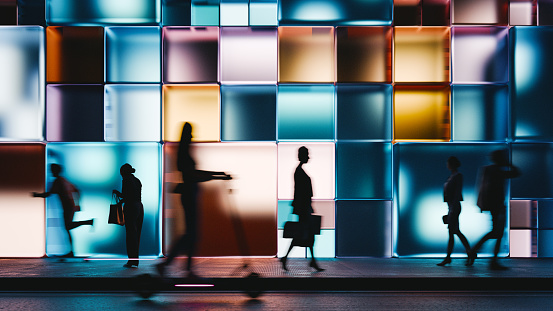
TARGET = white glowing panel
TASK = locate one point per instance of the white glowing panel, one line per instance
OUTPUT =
(320, 168)
(249, 55)
(234, 13)
(520, 242)
(284, 244)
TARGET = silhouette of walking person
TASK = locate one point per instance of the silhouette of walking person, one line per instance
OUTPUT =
(133, 211)
(303, 192)
(67, 193)
(453, 195)
(188, 190)
(491, 197)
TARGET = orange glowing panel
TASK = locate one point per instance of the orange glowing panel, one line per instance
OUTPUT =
(197, 104)
(364, 54)
(306, 54)
(421, 113)
(421, 54)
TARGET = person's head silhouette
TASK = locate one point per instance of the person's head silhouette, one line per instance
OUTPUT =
(186, 134)
(126, 170)
(55, 169)
(453, 163)
(499, 157)
(303, 154)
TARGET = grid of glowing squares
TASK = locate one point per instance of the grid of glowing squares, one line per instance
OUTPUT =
(22, 221)
(94, 169)
(22, 83)
(121, 112)
(419, 174)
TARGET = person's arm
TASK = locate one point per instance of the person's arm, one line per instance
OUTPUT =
(201, 176)
(513, 172)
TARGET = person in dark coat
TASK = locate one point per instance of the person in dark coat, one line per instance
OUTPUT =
(303, 192)
(453, 195)
(491, 197)
(133, 211)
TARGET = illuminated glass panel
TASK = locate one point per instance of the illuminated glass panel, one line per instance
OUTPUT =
(133, 54)
(263, 12)
(435, 12)
(480, 112)
(363, 228)
(205, 12)
(324, 208)
(248, 113)
(364, 112)
(21, 83)
(521, 243)
(94, 169)
(523, 214)
(253, 199)
(407, 12)
(335, 12)
(479, 12)
(364, 54)
(306, 54)
(234, 13)
(74, 112)
(421, 54)
(197, 104)
(75, 54)
(31, 12)
(284, 244)
(22, 221)
(363, 170)
(545, 214)
(176, 12)
(324, 246)
(480, 54)
(531, 76)
(320, 169)
(534, 161)
(190, 54)
(419, 175)
(523, 12)
(305, 112)
(545, 243)
(132, 112)
(249, 55)
(421, 113)
(87, 12)
(545, 12)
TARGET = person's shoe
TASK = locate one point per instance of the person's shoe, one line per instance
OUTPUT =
(160, 267)
(283, 261)
(470, 258)
(314, 265)
(68, 255)
(496, 266)
(130, 265)
(444, 262)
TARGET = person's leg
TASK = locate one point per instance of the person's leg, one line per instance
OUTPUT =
(498, 230)
(450, 244)
(131, 230)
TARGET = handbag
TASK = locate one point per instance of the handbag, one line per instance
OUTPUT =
(444, 219)
(116, 212)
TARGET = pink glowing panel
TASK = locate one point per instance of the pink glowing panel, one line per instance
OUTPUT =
(520, 243)
(320, 168)
(190, 54)
(249, 55)
(480, 55)
(326, 209)
(479, 12)
(22, 219)
(523, 12)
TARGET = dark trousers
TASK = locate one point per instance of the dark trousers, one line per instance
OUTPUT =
(134, 216)
(187, 242)
(498, 219)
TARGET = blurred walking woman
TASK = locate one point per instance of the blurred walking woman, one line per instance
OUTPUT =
(131, 195)
(453, 196)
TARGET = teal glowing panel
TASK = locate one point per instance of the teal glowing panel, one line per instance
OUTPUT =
(363, 170)
(363, 228)
(305, 112)
(94, 169)
(205, 13)
(535, 163)
(132, 112)
(480, 112)
(531, 83)
(133, 54)
(22, 83)
(420, 172)
(364, 112)
(248, 113)
(263, 13)
(92, 12)
(335, 12)
(176, 12)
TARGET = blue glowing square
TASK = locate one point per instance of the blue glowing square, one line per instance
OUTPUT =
(324, 246)
(364, 112)
(284, 213)
(363, 170)
(480, 112)
(133, 54)
(234, 12)
(420, 172)
(534, 162)
(94, 169)
(545, 243)
(87, 12)
(545, 214)
(305, 112)
(531, 82)
(363, 228)
(205, 13)
(263, 13)
(22, 83)
(132, 112)
(248, 113)
(176, 12)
